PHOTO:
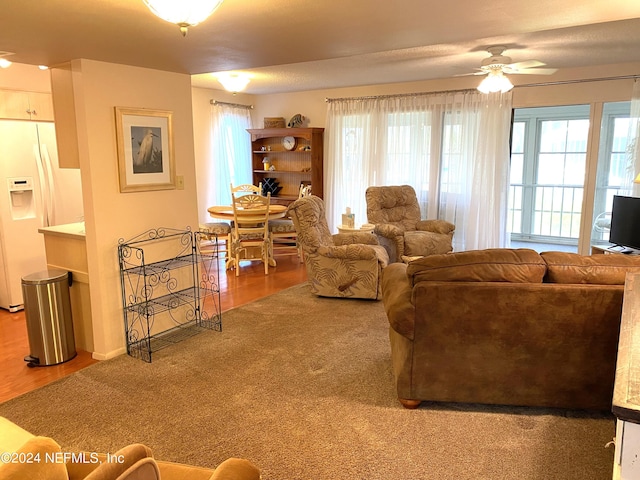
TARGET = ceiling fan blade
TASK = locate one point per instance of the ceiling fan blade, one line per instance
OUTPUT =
(467, 74)
(532, 71)
(525, 64)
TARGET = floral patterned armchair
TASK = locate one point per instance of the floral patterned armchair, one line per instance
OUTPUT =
(395, 212)
(342, 265)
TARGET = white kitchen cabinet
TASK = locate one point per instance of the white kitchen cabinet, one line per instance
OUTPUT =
(20, 105)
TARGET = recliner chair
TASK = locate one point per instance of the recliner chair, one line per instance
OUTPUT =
(347, 265)
(395, 212)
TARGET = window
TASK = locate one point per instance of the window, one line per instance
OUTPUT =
(231, 151)
(549, 161)
(612, 158)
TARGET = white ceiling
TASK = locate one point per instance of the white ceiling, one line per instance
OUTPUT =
(294, 45)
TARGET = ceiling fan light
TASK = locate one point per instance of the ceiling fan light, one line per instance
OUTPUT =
(184, 13)
(495, 82)
(234, 82)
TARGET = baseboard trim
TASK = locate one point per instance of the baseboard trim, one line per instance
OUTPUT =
(108, 355)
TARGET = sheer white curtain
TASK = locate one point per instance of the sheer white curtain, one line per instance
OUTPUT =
(231, 151)
(633, 145)
(452, 147)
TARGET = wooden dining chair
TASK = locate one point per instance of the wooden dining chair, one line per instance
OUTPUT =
(217, 236)
(246, 188)
(251, 241)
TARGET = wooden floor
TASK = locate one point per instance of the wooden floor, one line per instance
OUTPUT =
(16, 378)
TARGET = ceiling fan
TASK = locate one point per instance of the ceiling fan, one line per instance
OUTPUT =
(497, 65)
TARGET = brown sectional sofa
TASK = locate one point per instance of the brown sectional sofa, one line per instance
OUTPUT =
(25, 456)
(506, 326)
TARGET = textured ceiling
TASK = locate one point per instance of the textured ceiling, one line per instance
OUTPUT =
(292, 45)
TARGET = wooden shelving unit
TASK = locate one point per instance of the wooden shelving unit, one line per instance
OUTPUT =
(302, 164)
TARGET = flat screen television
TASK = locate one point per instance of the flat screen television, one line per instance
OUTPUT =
(625, 222)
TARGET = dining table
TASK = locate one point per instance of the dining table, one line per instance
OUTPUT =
(248, 215)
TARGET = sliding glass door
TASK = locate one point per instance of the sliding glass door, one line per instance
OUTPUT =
(550, 159)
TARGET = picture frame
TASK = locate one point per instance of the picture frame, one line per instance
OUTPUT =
(145, 149)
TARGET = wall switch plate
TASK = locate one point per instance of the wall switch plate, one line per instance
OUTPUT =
(180, 182)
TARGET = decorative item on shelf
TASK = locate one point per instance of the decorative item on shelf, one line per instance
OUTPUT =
(274, 122)
(305, 189)
(296, 121)
(289, 142)
(306, 148)
(266, 164)
(348, 219)
(306, 169)
(270, 185)
(272, 168)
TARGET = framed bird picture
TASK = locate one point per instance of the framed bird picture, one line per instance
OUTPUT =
(145, 149)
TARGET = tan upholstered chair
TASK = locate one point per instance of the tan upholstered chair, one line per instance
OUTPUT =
(342, 265)
(284, 237)
(395, 212)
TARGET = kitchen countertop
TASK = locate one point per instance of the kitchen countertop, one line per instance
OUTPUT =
(71, 230)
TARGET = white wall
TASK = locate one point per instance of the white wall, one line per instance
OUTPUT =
(109, 214)
(28, 78)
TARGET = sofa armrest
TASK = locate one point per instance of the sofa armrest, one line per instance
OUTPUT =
(32, 461)
(396, 296)
(12, 437)
(349, 252)
(388, 230)
(236, 469)
(436, 226)
(364, 238)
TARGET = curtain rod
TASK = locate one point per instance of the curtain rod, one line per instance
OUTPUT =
(238, 105)
(581, 80)
(544, 84)
(397, 95)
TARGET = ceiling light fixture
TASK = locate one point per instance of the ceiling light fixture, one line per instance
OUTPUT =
(184, 13)
(495, 81)
(4, 63)
(233, 82)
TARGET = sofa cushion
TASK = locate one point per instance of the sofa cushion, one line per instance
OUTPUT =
(236, 468)
(35, 460)
(564, 267)
(490, 265)
(131, 462)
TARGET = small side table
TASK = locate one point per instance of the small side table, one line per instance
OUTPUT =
(367, 227)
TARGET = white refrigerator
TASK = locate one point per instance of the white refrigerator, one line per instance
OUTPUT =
(34, 193)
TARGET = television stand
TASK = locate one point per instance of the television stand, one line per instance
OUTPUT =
(609, 249)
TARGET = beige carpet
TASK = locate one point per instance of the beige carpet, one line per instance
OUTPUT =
(302, 387)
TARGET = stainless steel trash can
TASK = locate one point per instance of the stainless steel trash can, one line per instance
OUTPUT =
(47, 308)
